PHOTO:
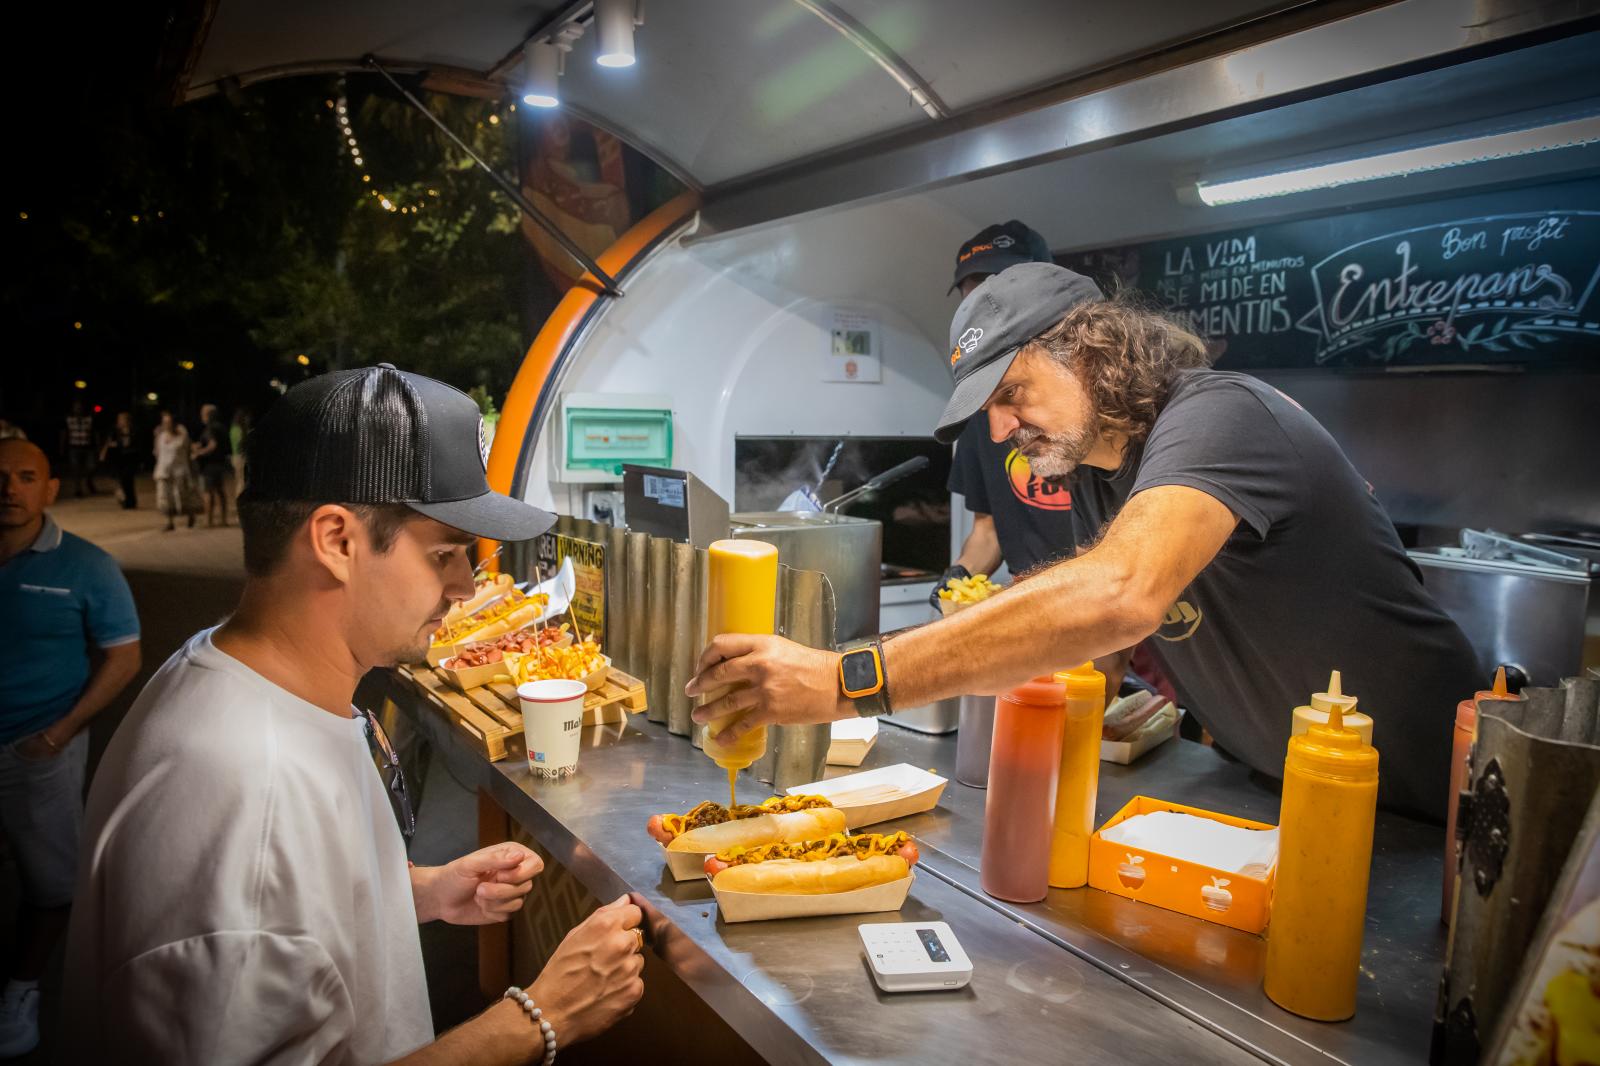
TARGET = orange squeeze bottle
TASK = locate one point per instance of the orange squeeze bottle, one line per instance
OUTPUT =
(1024, 765)
(1319, 903)
(1079, 782)
(1466, 731)
(741, 597)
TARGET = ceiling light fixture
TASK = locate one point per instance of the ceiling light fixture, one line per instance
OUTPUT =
(1542, 138)
(614, 21)
(542, 74)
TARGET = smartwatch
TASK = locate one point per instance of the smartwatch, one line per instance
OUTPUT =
(862, 680)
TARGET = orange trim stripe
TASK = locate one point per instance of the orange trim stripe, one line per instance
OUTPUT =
(516, 415)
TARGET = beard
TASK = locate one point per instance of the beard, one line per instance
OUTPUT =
(1054, 455)
(417, 650)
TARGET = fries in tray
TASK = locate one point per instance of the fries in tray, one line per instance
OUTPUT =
(966, 590)
(578, 661)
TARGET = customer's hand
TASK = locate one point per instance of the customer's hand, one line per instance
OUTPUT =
(40, 746)
(592, 981)
(480, 888)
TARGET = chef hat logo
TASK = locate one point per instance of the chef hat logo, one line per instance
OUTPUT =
(969, 340)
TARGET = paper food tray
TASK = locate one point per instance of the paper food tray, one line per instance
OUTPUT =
(763, 906)
(885, 794)
(851, 739)
(475, 676)
(686, 865)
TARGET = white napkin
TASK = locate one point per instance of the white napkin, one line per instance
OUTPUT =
(559, 588)
(1199, 840)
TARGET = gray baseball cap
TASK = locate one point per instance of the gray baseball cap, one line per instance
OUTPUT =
(994, 322)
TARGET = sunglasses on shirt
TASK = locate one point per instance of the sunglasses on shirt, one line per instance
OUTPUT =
(394, 780)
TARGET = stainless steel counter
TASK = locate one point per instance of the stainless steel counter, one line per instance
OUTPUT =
(1207, 971)
(1134, 984)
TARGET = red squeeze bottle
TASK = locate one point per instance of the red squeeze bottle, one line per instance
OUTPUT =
(1020, 806)
(1466, 731)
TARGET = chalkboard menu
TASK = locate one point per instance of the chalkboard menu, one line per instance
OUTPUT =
(1503, 277)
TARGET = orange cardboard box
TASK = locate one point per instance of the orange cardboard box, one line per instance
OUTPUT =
(1222, 896)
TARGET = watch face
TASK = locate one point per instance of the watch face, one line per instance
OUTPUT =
(860, 671)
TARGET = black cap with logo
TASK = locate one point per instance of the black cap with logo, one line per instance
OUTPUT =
(998, 247)
(994, 322)
(381, 435)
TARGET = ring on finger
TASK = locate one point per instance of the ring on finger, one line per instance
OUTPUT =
(638, 939)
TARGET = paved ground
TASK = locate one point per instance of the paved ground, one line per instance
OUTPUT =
(184, 581)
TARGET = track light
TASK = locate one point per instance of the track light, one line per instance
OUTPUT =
(1542, 138)
(613, 22)
(542, 74)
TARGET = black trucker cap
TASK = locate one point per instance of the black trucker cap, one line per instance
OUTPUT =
(994, 322)
(381, 435)
(997, 247)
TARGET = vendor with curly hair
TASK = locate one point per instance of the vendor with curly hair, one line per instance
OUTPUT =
(1211, 512)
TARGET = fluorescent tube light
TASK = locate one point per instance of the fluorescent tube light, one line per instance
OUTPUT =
(1569, 134)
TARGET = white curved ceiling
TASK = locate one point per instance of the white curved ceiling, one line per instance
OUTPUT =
(728, 88)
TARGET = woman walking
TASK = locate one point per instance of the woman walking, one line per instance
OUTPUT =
(175, 488)
(119, 453)
(236, 435)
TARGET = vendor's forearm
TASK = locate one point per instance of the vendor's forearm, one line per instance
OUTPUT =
(1077, 610)
(980, 554)
(1107, 599)
(118, 666)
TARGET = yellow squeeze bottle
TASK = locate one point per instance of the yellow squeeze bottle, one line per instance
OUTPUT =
(1080, 776)
(741, 597)
(1319, 903)
(1322, 702)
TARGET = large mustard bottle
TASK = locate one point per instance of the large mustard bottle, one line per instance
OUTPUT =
(741, 597)
(1079, 782)
(1319, 903)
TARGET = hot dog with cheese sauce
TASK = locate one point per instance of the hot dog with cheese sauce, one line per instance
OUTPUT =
(835, 863)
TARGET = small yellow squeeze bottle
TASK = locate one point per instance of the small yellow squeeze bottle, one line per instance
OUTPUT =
(1321, 702)
(1319, 903)
(1080, 776)
(741, 597)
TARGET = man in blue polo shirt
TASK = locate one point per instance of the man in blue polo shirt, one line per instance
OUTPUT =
(72, 644)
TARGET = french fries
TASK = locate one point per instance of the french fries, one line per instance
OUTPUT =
(965, 590)
(572, 663)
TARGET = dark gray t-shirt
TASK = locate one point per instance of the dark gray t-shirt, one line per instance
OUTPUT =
(1313, 579)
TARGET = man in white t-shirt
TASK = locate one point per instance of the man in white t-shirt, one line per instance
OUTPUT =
(244, 894)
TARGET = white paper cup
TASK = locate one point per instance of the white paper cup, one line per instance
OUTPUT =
(552, 714)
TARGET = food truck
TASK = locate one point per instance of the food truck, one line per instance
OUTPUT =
(1388, 211)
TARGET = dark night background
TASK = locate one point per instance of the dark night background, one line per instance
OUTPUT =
(197, 251)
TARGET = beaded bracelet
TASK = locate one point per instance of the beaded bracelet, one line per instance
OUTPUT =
(525, 1001)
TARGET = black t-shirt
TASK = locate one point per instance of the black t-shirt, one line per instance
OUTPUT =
(1032, 517)
(1313, 579)
(218, 432)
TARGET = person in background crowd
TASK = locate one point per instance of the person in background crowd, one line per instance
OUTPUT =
(119, 453)
(246, 896)
(77, 439)
(78, 649)
(175, 488)
(11, 431)
(236, 435)
(213, 455)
